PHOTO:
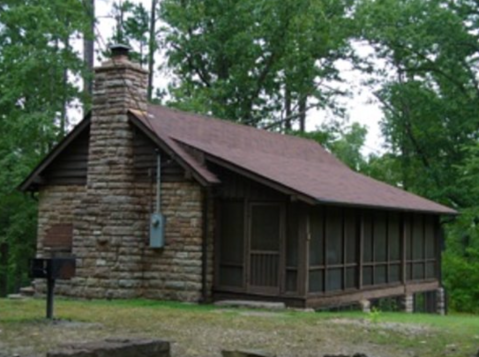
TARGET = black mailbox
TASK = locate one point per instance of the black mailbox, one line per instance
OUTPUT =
(52, 268)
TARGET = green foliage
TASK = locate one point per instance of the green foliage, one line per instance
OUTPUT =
(385, 168)
(344, 141)
(430, 96)
(131, 28)
(374, 315)
(36, 60)
(257, 62)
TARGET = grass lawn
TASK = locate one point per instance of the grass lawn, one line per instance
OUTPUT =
(206, 330)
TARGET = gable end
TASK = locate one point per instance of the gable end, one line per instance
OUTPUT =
(65, 164)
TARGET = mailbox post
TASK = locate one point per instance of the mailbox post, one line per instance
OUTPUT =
(52, 269)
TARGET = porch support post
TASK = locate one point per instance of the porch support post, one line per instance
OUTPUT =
(303, 267)
(365, 306)
(407, 303)
(440, 301)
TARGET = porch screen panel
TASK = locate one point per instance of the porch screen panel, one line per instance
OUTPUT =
(367, 221)
(367, 237)
(292, 252)
(351, 240)
(418, 247)
(334, 249)
(231, 257)
(382, 250)
(380, 239)
(431, 246)
(351, 236)
(265, 245)
(334, 236)
(265, 228)
(394, 237)
(429, 236)
(316, 254)
(422, 260)
(316, 250)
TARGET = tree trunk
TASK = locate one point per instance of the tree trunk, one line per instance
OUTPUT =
(302, 113)
(287, 108)
(63, 115)
(3, 269)
(89, 52)
(151, 49)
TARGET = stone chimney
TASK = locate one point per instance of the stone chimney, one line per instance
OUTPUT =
(119, 85)
(106, 237)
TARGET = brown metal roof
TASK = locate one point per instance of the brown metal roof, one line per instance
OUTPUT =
(299, 165)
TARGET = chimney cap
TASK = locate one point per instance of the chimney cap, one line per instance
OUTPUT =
(119, 49)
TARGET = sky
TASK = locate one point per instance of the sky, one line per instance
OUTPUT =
(361, 106)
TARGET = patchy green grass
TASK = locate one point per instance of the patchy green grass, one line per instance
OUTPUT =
(203, 330)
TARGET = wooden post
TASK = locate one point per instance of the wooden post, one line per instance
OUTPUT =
(303, 245)
(50, 297)
(3, 269)
(404, 237)
(361, 250)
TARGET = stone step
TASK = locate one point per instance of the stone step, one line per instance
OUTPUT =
(251, 304)
(27, 291)
(115, 347)
(246, 353)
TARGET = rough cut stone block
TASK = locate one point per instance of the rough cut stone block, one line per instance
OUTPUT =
(252, 304)
(115, 348)
(354, 355)
(246, 353)
(365, 306)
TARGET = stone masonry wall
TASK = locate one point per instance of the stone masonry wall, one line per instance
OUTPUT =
(107, 268)
(56, 206)
(131, 269)
(175, 272)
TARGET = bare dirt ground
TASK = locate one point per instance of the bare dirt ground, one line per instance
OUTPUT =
(203, 331)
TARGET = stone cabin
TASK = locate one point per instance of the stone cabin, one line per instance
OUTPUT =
(248, 214)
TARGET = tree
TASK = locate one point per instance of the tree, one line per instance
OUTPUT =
(343, 141)
(430, 96)
(136, 27)
(89, 50)
(256, 62)
(35, 63)
(152, 48)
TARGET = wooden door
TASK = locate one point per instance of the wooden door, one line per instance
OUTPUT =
(265, 240)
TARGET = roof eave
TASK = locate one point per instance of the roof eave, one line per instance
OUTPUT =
(446, 212)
